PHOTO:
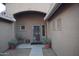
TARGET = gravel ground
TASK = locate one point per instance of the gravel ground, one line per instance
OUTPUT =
(19, 52)
(48, 52)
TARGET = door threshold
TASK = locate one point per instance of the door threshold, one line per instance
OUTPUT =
(36, 43)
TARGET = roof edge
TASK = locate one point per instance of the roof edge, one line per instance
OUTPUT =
(52, 10)
(7, 18)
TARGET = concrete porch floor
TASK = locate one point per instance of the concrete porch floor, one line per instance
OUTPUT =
(30, 50)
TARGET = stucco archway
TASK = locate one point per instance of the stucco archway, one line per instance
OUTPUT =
(26, 20)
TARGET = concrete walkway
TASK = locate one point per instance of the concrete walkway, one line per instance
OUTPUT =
(36, 50)
(30, 50)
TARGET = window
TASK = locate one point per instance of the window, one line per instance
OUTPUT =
(59, 24)
(43, 30)
(22, 27)
(53, 25)
(17, 27)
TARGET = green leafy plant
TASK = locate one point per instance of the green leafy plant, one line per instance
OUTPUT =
(13, 41)
(46, 40)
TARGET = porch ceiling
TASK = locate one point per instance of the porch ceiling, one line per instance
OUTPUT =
(13, 8)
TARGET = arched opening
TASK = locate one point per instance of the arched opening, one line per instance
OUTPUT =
(19, 14)
(30, 26)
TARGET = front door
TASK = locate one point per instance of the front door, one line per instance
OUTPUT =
(36, 33)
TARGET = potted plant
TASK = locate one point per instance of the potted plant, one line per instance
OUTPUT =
(47, 43)
(12, 44)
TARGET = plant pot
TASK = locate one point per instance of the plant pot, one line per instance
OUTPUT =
(12, 46)
(47, 46)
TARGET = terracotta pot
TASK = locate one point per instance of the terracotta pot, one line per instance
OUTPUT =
(12, 46)
(47, 46)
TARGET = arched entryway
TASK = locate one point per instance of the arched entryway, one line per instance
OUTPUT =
(30, 25)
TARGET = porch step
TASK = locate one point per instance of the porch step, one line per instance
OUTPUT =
(36, 43)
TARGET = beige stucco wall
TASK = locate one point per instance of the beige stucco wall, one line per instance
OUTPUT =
(28, 22)
(12, 8)
(66, 40)
(6, 34)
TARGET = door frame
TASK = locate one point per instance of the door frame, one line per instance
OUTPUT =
(41, 36)
(40, 32)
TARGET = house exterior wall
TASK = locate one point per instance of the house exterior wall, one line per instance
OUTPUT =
(6, 34)
(28, 22)
(12, 8)
(63, 30)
